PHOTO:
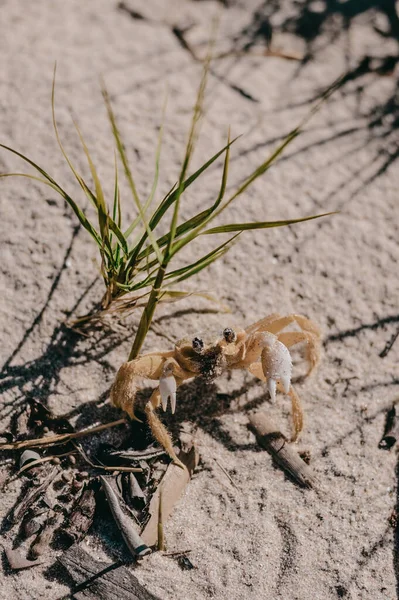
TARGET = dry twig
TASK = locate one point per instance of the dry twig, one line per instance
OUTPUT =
(281, 450)
(61, 438)
(391, 434)
(133, 541)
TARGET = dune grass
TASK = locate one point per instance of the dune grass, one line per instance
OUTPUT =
(139, 274)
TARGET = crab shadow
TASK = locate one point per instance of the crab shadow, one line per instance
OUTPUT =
(204, 406)
(23, 382)
(37, 379)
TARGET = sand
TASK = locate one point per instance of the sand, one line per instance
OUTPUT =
(262, 537)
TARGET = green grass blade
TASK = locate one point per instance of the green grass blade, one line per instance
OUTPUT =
(181, 229)
(150, 198)
(129, 175)
(78, 177)
(116, 208)
(202, 218)
(201, 263)
(262, 168)
(47, 180)
(192, 138)
(169, 199)
(176, 295)
(99, 197)
(224, 175)
(117, 213)
(260, 225)
(105, 221)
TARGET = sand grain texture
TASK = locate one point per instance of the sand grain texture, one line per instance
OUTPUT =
(265, 537)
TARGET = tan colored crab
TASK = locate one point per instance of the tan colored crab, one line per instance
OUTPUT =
(262, 349)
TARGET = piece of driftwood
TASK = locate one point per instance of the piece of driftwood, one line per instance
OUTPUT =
(30, 498)
(18, 561)
(391, 434)
(269, 436)
(125, 524)
(171, 488)
(81, 517)
(96, 580)
(42, 542)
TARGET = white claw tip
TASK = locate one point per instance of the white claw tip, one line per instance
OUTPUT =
(271, 386)
(167, 389)
(277, 366)
(286, 381)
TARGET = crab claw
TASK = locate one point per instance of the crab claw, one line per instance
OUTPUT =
(276, 364)
(167, 389)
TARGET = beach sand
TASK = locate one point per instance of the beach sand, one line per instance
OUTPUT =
(263, 537)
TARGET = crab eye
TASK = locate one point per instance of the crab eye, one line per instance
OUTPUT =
(198, 345)
(229, 335)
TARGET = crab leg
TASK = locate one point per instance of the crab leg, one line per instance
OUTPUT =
(159, 430)
(275, 323)
(290, 338)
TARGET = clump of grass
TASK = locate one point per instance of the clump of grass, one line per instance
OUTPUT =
(139, 274)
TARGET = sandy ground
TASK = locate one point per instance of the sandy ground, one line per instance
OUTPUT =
(263, 537)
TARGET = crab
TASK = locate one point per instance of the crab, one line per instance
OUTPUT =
(261, 348)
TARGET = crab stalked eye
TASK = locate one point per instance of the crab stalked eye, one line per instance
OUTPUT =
(198, 345)
(229, 335)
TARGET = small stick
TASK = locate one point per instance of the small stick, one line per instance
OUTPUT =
(389, 345)
(161, 536)
(391, 434)
(280, 449)
(132, 539)
(276, 53)
(226, 473)
(61, 438)
(177, 553)
(105, 467)
(146, 454)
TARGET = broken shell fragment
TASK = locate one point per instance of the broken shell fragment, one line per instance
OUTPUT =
(28, 456)
(167, 389)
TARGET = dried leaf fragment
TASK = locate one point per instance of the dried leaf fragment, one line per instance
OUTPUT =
(172, 486)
